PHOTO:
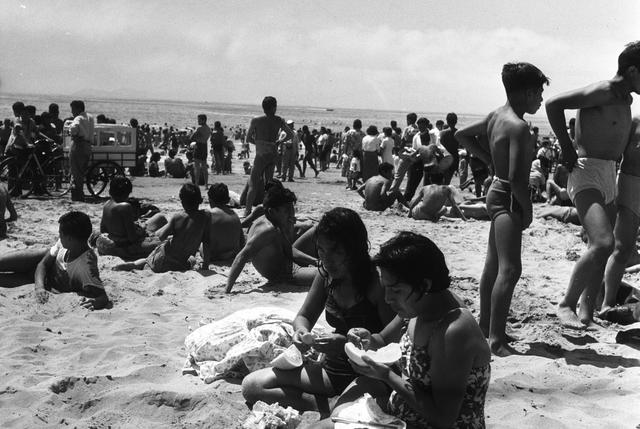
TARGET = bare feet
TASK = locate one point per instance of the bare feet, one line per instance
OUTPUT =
(127, 266)
(569, 319)
(500, 349)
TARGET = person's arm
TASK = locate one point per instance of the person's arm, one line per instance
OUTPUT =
(43, 267)
(127, 217)
(598, 94)
(167, 230)
(301, 258)
(415, 201)
(251, 132)
(360, 190)
(310, 311)
(454, 205)
(519, 150)
(288, 133)
(467, 138)
(366, 340)
(206, 250)
(256, 242)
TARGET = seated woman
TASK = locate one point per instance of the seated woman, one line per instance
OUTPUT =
(347, 288)
(445, 357)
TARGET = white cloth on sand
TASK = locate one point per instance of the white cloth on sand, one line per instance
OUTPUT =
(242, 342)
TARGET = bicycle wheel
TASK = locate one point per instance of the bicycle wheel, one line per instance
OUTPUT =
(57, 176)
(100, 174)
(9, 169)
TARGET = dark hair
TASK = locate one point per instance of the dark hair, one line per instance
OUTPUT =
(53, 108)
(393, 124)
(345, 227)
(372, 130)
(190, 196)
(76, 224)
(305, 129)
(271, 183)
(155, 156)
(134, 123)
(452, 119)
(388, 131)
(120, 186)
(78, 104)
(278, 196)
(269, 104)
(630, 56)
(522, 76)
(172, 153)
(439, 122)
(357, 153)
(217, 124)
(414, 259)
(202, 117)
(218, 194)
(422, 120)
(357, 124)
(323, 130)
(18, 108)
(385, 166)
(411, 118)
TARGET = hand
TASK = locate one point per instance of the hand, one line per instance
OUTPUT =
(332, 344)
(361, 337)
(379, 371)
(297, 340)
(94, 303)
(569, 159)
(42, 296)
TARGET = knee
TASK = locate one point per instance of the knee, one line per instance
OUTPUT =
(252, 387)
(623, 251)
(511, 272)
(602, 247)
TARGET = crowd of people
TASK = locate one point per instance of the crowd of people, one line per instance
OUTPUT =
(394, 297)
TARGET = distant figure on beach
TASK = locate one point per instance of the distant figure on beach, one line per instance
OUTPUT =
(6, 205)
(406, 160)
(225, 232)
(218, 140)
(174, 166)
(603, 124)
(557, 187)
(377, 192)
(201, 138)
(432, 202)
(269, 244)
(504, 139)
(120, 234)
(370, 148)
(183, 234)
(290, 154)
(81, 130)
(448, 140)
(264, 133)
(69, 266)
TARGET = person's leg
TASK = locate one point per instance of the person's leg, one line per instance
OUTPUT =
(219, 160)
(138, 264)
(22, 261)
(508, 227)
(398, 177)
(303, 276)
(155, 222)
(413, 179)
(197, 173)
(256, 181)
(487, 281)
(301, 388)
(625, 233)
(588, 271)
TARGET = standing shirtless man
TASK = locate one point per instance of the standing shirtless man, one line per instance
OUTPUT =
(269, 244)
(603, 124)
(510, 146)
(263, 132)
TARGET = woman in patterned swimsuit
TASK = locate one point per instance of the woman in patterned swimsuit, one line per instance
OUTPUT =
(348, 289)
(445, 358)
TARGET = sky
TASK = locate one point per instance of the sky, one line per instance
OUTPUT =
(420, 55)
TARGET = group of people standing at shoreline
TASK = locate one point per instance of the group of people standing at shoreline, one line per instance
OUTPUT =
(444, 371)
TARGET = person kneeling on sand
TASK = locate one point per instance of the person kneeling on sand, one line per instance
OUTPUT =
(445, 363)
(269, 244)
(6, 205)
(430, 203)
(377, 192)
(225, 232)
(120, 234)
(347, 289)
(187, 231)
(69, 266)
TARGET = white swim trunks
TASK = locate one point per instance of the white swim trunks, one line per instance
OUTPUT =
(629, 192)
(593, 173)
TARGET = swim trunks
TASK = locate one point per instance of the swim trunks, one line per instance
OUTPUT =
(593, 173)
(500, 199)
(628, 192)
(160, 262)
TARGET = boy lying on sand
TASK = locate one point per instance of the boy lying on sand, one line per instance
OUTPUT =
(120, 234)
(69, 266)
(187, 229)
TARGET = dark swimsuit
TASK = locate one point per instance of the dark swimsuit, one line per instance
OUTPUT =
(500, 199)
(364, 314)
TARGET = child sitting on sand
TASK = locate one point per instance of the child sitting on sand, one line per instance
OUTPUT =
(69, 266)
(6, 205)
(120, 234)
(187, 229)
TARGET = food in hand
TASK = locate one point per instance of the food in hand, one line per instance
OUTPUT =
(385, 355)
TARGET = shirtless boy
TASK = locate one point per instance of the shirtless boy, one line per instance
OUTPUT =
(627, 220)
(430, 203)
(269, 244)
(225, 232)
(120, 234)
(187, 231)
(264, 133)
(603, 124)
(510, 151)
(377, 192)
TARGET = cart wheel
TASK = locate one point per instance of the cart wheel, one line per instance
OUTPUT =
(58, 176)
(100, 174)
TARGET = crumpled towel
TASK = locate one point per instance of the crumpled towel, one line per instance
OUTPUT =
(242, 342)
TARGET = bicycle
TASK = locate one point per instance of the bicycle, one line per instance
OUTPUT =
(36, 169)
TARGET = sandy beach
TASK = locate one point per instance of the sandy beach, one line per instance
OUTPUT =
(64, 366)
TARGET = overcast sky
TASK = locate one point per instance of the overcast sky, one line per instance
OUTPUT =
(425, 56)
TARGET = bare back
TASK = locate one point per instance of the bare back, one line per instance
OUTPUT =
(631, 160)
(433, 199)
(273, 260)
(225, 233)
(602, 131)
(502, 125)
(189, 230)
(117, 218)
(373, 193)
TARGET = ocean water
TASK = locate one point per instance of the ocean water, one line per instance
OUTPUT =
(183, 113)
